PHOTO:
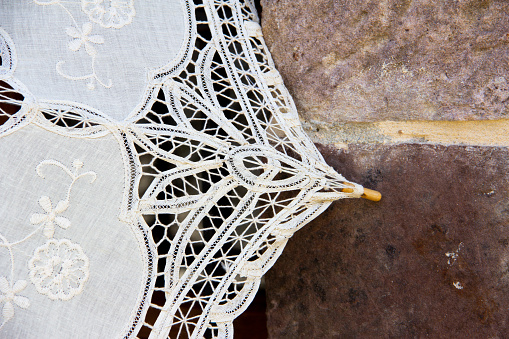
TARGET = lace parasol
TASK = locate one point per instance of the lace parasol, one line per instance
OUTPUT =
(153, 167)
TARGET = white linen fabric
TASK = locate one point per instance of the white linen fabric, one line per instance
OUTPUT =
(106, 269)
(150, 205)
(86, 52)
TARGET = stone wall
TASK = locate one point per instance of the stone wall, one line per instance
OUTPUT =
(408, 98)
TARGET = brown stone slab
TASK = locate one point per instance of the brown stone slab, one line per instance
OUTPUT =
(371, 60)
(252, 323)
(429, 260)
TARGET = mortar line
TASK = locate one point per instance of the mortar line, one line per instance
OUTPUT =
(478, 132)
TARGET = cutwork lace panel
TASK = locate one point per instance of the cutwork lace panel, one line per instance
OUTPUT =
(218, 175)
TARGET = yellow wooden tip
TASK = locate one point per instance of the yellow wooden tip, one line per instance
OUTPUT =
(371, 195)
(368, 194)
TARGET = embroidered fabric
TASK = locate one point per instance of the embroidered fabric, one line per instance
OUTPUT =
(208, 178)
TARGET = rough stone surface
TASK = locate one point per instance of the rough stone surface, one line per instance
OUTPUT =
(429, 260)
(371, 60)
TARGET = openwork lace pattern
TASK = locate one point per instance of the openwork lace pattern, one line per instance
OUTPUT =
(219, 171)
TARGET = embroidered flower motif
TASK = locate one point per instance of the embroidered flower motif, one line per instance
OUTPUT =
(9, 297)
(59, 269)
(50, 219)
(109, 13)
(82, 38)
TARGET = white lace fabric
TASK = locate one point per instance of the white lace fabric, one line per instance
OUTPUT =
(158, 222)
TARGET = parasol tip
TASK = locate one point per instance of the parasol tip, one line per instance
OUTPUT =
(367, 194)
(371, 195)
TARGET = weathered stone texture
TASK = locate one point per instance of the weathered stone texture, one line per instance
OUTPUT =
(371, 60)
(429, 260)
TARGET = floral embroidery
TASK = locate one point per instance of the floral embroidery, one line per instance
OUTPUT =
(50, 219)
(109, 13)
(106, 13)
(82, 38)
(9, 296)
(59, 269)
